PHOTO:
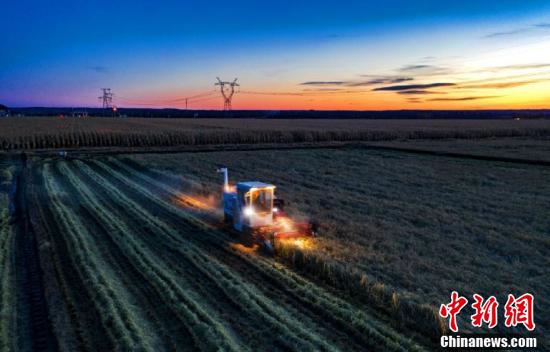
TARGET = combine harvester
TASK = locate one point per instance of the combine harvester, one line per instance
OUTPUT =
(252, 210)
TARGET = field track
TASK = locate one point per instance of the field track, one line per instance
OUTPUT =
(133, 270)
(33, 323)
(306, 146)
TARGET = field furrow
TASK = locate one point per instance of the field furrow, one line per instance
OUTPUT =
(207, 331)
(307, 295)
(7, 282)
(187, 267)
(166, 334)
(75, 314)
(118, 319)
(245, 296)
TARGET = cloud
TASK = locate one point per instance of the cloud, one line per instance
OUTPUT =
(422, 69)
(99, 69)
(513, 32)
(418, 92)
(359, 83)
(506, 33)
(336, 36)
(322, 90)
(415, 67)
(498, 85)
(381, 80)
(413, 86)
(522, 66)
(465, 98)
(322, 83)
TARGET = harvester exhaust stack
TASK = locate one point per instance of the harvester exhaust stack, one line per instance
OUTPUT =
(223, 170)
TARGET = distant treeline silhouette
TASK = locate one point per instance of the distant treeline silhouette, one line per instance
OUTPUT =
(289, 114)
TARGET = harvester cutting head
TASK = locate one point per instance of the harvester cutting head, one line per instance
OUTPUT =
(251, 207)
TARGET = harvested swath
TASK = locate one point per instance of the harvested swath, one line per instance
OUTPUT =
(225, 280)
(401, 311)
(118, 318)
(159, 321)
(310, 293)
(422, 225)
(205, 329)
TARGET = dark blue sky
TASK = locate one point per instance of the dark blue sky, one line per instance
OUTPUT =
(59, 52)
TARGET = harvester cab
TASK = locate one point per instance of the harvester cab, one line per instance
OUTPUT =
(252, 208)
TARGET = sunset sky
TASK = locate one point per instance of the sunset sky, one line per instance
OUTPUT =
(352, 55)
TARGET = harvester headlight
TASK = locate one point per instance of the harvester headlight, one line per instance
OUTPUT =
(248, 211)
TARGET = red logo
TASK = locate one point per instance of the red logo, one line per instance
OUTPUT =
(452, 309)
(485, 312)
(519, 311)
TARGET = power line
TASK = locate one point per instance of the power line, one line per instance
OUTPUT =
(204, 99)
(167, 101)
(190, 101)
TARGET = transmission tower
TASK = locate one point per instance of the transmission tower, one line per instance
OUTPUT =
(227, 89)
(106, 98)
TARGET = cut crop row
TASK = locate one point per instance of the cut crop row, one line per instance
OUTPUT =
(237, 290)
(7, 272)
(117, 318)
(400, 311)
(158, 321)
(206, 330)
(221, 238)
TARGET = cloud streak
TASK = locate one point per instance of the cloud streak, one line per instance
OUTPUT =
(465, 98)
(99, 69)
(383, 80)
(424, 70)
(522, 66)
(499, 85)
(513, 32)
(506, 33)
(413, 86)
(418, 92)
(374, 80)
(322, 83)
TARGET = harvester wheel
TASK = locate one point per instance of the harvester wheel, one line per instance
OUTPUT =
(247, 235)
(227, 219)
(267, 247)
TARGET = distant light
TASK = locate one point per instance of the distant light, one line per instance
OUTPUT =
(275, 209)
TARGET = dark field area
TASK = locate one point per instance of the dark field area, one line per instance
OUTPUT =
(127, 252)
(536, 149)
(420, 225)
(128, 268)
(53, 132)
